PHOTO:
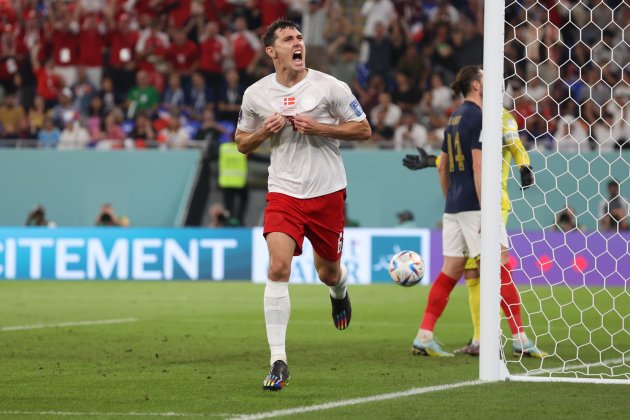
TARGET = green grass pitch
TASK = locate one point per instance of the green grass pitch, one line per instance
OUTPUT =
(199, 349)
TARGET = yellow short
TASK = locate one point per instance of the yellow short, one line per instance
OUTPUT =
(472, 263)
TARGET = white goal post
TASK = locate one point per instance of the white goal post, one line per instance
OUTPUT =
(574, 280)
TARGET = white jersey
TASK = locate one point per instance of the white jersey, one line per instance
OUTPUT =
(302, 166)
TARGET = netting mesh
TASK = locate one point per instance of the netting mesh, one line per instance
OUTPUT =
(568, 85)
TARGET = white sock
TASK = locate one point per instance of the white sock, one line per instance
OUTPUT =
(277, 311)
(424, 335)
(339, 290)
(522, 337)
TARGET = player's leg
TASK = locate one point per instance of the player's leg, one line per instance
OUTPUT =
(471, 276)
(284, 235)
(335, 275)
(324, 229)
(454, 248)
(511, 303)
(277, 306)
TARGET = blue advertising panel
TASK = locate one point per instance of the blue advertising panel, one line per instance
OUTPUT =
(125, 254)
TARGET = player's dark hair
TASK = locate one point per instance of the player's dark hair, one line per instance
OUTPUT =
(270, 34)
(464, 78)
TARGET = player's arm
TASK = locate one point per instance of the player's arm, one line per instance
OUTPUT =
(513, 142)
(421, 160)
(249, 141)
(349, 130)
(476, 156)
(443, 173)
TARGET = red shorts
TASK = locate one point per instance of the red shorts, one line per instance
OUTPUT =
(320, 219)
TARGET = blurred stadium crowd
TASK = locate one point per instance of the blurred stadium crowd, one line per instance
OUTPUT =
(141, 73)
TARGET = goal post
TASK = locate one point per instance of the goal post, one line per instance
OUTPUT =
(490, 365)
(561, 68)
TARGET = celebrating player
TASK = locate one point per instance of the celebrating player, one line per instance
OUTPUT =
(510, 302)
(304, 113)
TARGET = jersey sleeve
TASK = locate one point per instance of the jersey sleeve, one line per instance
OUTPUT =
(512, 141)
(248, 119)
(344, 105)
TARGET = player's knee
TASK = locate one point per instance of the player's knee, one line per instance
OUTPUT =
(328, 275)
(279, 270)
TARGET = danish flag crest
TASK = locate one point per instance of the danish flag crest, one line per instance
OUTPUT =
(288, 101)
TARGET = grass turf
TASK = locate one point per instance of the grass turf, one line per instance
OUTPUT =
(200, 348)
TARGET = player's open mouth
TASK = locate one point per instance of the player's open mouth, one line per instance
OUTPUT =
(297, 57)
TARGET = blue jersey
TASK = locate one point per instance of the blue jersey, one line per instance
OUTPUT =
(460, 137)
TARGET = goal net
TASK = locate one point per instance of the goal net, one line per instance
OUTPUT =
(566, 76)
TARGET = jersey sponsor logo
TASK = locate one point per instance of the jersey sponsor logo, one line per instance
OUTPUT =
(356, 107)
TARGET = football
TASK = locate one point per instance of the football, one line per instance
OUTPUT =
(406, 268)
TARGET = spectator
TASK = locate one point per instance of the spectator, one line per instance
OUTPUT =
(213, 52)
(406, 220)
(246, 50)
(65, 43)
(151, 49)
(92, 44)
(49, 83)
(410, 134)
(9, 60)
(606, 131)
(36, 116)
(95, 120)
(368, 97)
(182, 58)
(64, 110)
(174, 136)
(109, 95)
(376, 11)
(384, 118)
(73, 136)
(122, 55)
(439, 98)
(200, 97)
(343, 68)
(314, 20)
(106, 216)
(572, 134)
(12, 118)
(141, 133)
(566, 220)
(406, 94)
(83, 90)
(142, 97)
(219, 216)
(114, 132)
(231, 97)
(413, 64)
(210, 130)
(613, 210)
(379, 51)
(49, 135)
(173, 98)
(37, 217)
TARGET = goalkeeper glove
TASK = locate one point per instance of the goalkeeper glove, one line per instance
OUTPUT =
(420, 161)
(527, 177)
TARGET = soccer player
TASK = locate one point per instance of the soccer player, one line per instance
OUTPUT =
(512, 148)
(460, 178)
(304, 113)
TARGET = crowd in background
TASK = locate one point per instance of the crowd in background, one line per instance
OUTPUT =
(132, 73)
